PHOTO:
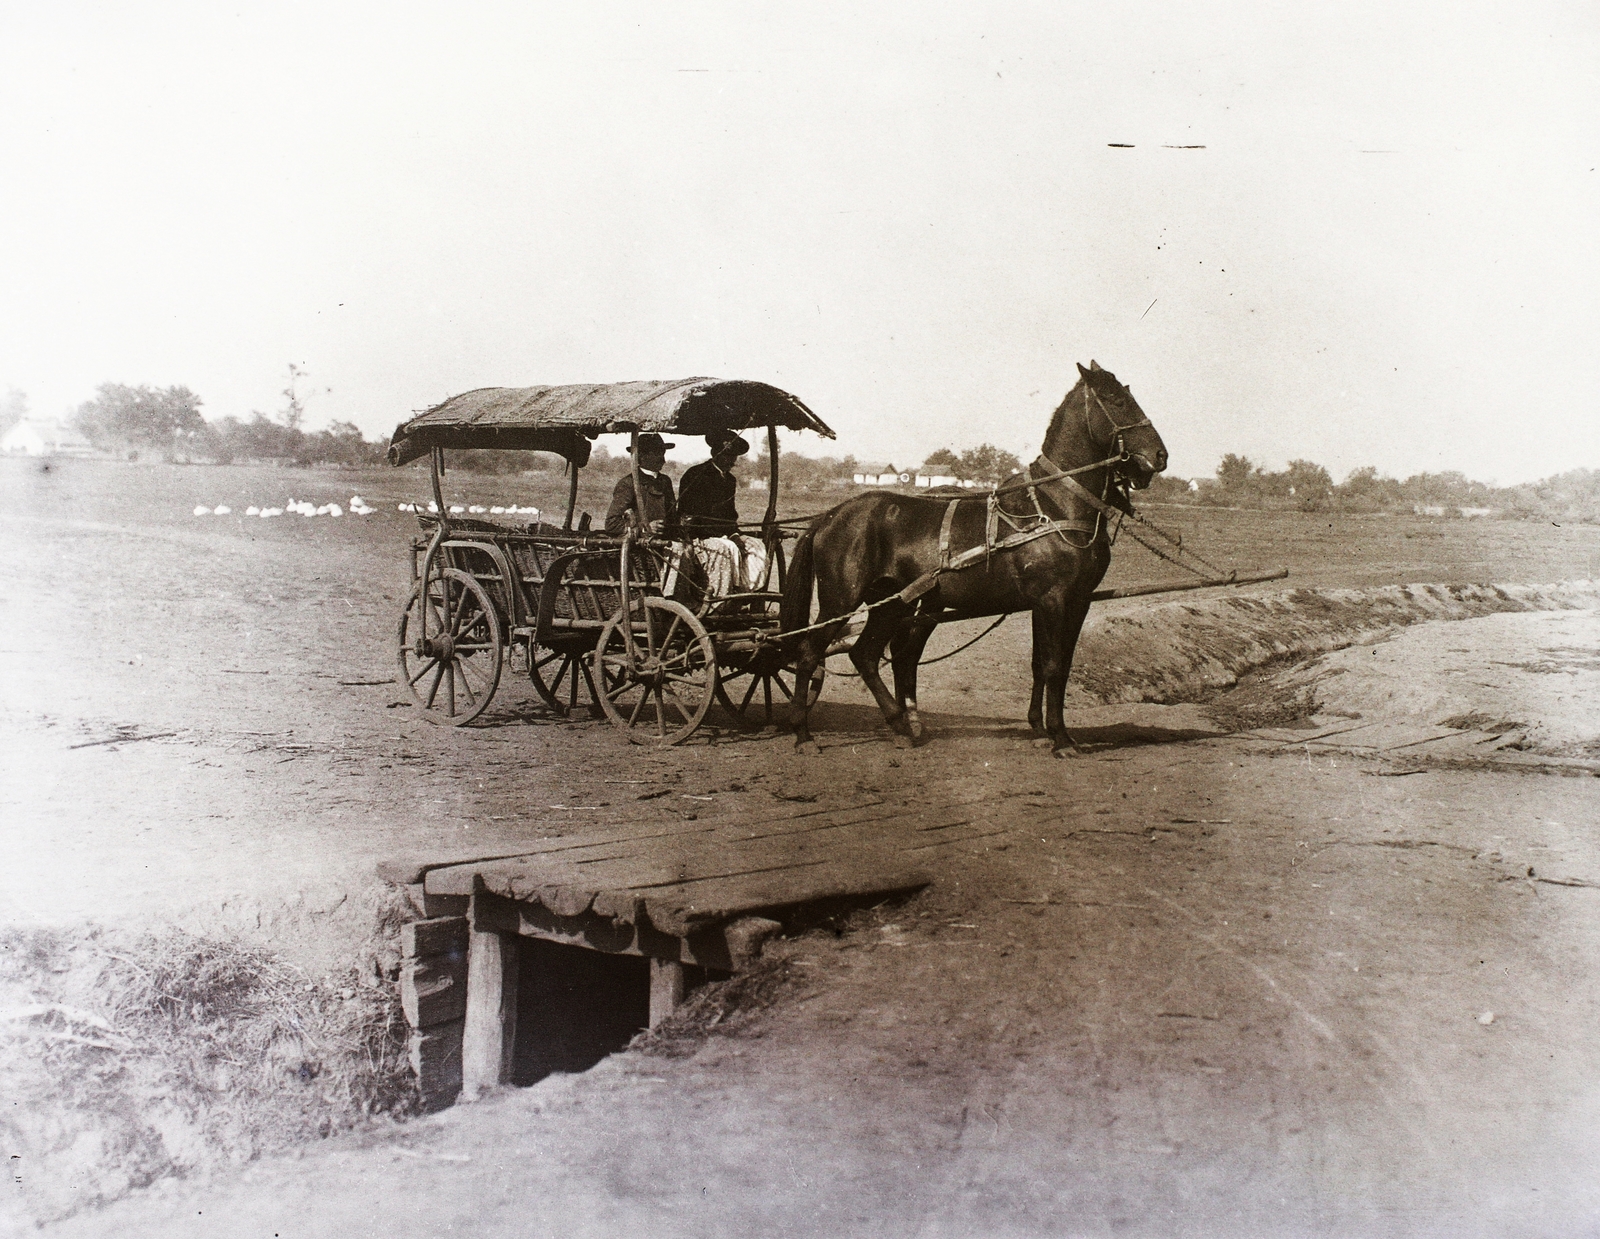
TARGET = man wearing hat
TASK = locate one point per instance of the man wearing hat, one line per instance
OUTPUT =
(706, 504)
(659, 512)
(708, 514)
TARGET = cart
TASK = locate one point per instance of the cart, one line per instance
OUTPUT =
(602, 624)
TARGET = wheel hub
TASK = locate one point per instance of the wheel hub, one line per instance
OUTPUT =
(442, 647)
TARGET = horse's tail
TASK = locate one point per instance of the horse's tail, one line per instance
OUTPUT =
(798, 584)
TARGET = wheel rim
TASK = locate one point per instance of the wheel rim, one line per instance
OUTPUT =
(564, 680)
(453, 669)
(658, 692)
(747, 692)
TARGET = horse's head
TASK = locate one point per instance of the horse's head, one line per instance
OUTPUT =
(1100, 420)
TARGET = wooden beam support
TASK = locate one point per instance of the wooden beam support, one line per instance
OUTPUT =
(490, 1029)
(667, 987)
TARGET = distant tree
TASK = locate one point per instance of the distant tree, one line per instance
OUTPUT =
(159, 419)
(987, 463)
(293, 413)
(1165, 488)
(942, 463)
(1308, 484)
(1365, 490)
(13, 408)
(1235, 472)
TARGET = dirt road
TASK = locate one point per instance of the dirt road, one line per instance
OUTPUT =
(1184, 988)
(1188, 983)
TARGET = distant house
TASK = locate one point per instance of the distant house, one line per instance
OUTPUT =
(33, 437)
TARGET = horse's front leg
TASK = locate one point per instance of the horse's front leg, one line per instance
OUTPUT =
(1041, 738)
(905, 653)
(1064, 624)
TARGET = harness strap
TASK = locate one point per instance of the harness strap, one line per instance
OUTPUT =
(944, 532)
(972, 555)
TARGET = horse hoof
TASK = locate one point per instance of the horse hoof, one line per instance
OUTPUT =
(1043, 742)
(808, 747)
(914, 726)
(903, 741)
(1064, 752)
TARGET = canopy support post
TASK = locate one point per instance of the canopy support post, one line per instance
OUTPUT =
(572, 494)
(770, 533)
(635, 526)
(438, 472)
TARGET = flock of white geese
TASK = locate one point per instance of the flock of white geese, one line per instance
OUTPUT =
(360, 507)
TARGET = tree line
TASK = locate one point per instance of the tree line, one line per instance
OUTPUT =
(1573, 496)
(167, 423)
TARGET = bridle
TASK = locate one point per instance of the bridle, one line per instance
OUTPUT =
(1117, 430)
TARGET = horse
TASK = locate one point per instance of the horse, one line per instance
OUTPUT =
(1038, 543)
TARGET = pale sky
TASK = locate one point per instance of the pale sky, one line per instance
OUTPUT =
(907, 214)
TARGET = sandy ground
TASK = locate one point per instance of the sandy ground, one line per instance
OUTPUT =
(1187, 983)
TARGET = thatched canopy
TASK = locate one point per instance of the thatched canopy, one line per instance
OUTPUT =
(564, 419)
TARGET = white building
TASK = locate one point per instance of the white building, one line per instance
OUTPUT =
(37, 437)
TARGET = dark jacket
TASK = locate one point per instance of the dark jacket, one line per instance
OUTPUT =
(658, 503)
(705, 501)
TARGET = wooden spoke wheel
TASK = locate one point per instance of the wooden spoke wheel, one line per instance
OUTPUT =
(563, 678)
(451, 664)
(754, 692)
(657, 670)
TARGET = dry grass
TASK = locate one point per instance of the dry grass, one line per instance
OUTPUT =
(129, 1058)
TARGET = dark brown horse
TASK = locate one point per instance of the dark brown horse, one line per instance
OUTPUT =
(1040, 545)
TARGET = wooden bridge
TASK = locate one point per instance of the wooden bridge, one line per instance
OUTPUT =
(686, 895)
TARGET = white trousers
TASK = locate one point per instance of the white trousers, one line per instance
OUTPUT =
(732, 565)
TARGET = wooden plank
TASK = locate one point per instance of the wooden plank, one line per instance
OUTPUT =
(514, 878)
(668, 984)
(570, 887)
(612, 882)
(490, 1025)
(435, 1055)
(410, 870)
(686, 908)
(445, 935)
(434, 990)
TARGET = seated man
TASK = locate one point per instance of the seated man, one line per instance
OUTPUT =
(658, 515)
(707, 513)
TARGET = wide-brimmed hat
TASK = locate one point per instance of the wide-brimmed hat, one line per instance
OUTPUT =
(650, 439)
(719, 439)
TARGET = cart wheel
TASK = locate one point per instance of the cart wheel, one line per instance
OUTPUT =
(563, 679)
(752, 692)
(660, 692)
(452, 672)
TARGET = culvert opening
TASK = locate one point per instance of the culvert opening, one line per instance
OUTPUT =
(576, 1006)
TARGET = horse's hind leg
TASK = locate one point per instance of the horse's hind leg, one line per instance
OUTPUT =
(866, 655)
(807, 663)
(905, 653)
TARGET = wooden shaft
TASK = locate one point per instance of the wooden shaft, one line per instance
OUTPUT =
(1173, 587)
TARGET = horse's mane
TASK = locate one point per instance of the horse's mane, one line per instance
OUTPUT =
(1102, 380)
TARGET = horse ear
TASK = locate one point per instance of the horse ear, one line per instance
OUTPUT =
(1082, 371)
(1093, 364)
